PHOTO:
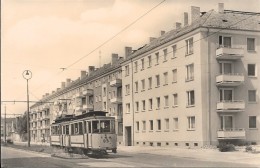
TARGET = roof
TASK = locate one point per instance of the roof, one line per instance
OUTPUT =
(236, 20)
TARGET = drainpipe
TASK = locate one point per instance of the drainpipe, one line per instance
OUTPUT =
(133, 100)
(209, 90)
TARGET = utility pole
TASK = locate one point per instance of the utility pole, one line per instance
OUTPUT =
(5, 124)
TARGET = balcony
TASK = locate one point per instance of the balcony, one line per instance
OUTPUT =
(79, 95)
(79, 108)
(116, 100)
(232, 133)
(230, 79)
(87, 107)
(116, 83)
(88, 92)
(229, 53)
(231, 106)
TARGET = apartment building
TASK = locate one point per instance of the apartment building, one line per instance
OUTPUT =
(100, 89)
(197, 84)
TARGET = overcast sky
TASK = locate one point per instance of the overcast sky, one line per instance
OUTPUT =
(46, 35)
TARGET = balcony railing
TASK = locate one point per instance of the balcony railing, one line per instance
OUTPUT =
(231, 106)
(88, 92)
(234, 133)
(88, 107)
(79, 108)
(117, 100)
(229, 53)
(230, 79)
(116, 83)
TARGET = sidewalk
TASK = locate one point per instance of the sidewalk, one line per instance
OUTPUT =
(198, 153)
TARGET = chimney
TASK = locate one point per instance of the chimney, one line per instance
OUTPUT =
(46, 94)
(195, 13)
(185, 19)
(83, 74)
(43, 96)
(162, 32)
(177, 25)
(221, 7)
(114, 58)
(152, 39)
(63, 84)
(128, 51)
(68, 81)
(91, 69)
(58, 89)
(53, 92)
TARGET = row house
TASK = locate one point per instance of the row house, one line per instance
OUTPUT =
(99, 90)
(197, 84)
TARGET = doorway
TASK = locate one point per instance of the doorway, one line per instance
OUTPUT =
(128, 136)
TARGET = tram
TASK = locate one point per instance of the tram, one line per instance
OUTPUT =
(90, 133)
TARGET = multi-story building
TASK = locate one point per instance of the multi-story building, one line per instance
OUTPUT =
(8, 125)
(99, 90)
(197, 84)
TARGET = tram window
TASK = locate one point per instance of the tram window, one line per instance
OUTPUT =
(76, 128)
(84, 127)
(64, 130)
(89, 126)
(72, 129)
(105, 125)
(53, 130)
(67, 129)
(95, 127)
(80, 128)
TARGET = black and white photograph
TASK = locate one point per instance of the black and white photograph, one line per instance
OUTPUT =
(130, 83)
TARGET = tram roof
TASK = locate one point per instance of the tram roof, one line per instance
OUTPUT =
(65, 118)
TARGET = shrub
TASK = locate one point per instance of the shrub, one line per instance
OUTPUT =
(249, 148)
(226, 147)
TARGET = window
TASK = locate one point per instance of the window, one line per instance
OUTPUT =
(165, 75)
(174, 50)
(191, 98)
(137, 125)
(149, 61)
(127, 70)
(136, 66)
(252, 95)
(143, 105)
(127, 89)
(165, 54)
(157, 80)
(175, 100)
(158, 125)
(167, 124)
(174, 75)
(157, 58)
(144, 125)
(250, 44)
(189, 46)
(166, 101)
(252, 121)
(137, 106)
(225, 94)
(226, 122)
(251, 70)
(150, 83)
(225, 42)
(142, 64)
(190, 72)
(128, 108)
(191, 123)
(150, 104)
(105, 105)
(175, 123)
(136, 86)
(158, 103)
(104, 91)
(143, 84)
(226, 67)
(151, 125)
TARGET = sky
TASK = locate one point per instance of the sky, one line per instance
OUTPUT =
(44, 36)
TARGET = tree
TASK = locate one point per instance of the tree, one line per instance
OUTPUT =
(22, 125)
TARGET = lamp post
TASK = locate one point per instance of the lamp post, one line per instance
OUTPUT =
(27, 74)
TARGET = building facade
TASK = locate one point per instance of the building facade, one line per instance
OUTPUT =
(99, 90)
(197, 84)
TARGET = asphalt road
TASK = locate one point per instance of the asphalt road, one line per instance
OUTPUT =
(14, 158)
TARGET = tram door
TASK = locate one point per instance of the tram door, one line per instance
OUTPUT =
(66, 139)
(62, 133)
(89, 134)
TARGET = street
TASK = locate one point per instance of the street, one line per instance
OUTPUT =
(14, 158)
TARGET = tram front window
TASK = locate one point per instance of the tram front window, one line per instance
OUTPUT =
(95, 127)
(107, 126)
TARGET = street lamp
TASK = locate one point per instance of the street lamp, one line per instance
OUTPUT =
(27, 74)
